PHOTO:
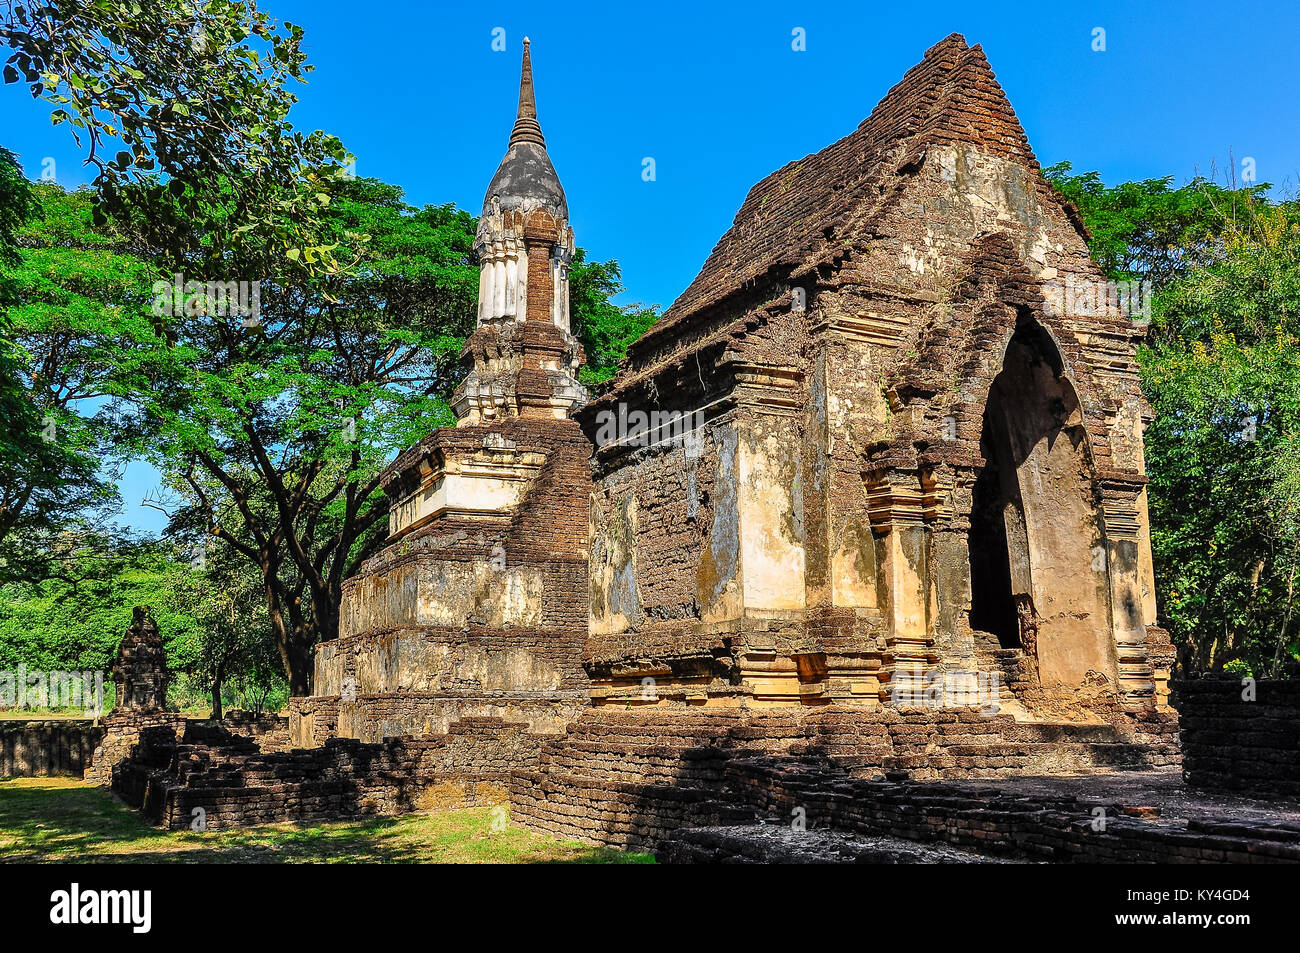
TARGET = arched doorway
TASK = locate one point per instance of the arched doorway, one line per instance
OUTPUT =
(1037, 560)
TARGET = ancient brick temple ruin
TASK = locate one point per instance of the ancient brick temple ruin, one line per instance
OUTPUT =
(906, 460)
(867, 493)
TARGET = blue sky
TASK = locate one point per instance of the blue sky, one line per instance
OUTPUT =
(716, 95)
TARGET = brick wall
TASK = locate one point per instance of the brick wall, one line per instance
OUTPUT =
(1234, 744)
(317, 719)
(121, 733)
(37, 749)
(629, 778)
(224, 778)
(1055, 828)
(81, 748)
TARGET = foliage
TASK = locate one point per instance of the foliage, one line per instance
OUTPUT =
(1224, 450)
(604, 329)
(231, 646)
(18, 438)
(79, 313)
(75, 624)
(195, 97)
(16, 205)
(1148, 229)
(1219, 368)
(208, 613)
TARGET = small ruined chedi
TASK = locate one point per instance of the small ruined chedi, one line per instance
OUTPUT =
(477, 606)
(907, 475)
(140, 680)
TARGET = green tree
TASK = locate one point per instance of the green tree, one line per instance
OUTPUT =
(195, 98)
(232, 641)
(288, 422)
(48, 471)
(604, 329)
(1150, 230)
(18, 437)
(210, 180)
(79, 311)
(15, 204)
(1224, 450)
(75, 624)
(1219, 369)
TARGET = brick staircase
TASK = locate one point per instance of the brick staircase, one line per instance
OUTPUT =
(236, 784)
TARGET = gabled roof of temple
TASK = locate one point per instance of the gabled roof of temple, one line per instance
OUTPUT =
(526, 179)
(802, 214)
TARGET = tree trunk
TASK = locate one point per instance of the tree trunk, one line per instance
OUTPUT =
(216, 699)
(293, 638)
(294, 642)
(300, 665)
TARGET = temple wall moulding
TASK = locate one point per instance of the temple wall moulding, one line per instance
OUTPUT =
(857, 452)
(484, 482)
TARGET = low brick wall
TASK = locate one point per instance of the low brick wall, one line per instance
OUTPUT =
(1234, 744)
(120, 734)
(317, 719)
(270, 731)
(47, 748)
(226, 778)
(628, 778)
(1009, 824)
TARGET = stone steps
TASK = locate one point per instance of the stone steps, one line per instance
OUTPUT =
(235, 784)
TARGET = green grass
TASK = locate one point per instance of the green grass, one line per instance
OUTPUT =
(48, 820)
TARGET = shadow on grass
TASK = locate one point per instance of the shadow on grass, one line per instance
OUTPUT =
(58, 820)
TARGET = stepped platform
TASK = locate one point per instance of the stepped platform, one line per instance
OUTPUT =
(1110, 817)
(225, 780)
(843, 787)
(620, 778)
(629, 778)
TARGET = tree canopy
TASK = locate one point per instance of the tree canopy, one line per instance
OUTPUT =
(1219, 368)
(231, 304)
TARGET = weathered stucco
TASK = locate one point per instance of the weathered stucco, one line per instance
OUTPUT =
(891, 447)
(902, 460)
(436, 592)
(771, 521)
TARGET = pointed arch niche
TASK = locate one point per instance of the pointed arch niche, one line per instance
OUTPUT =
(1037, 557)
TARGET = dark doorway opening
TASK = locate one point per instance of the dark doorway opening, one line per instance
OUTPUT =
(1033, 518)
(993, 604)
